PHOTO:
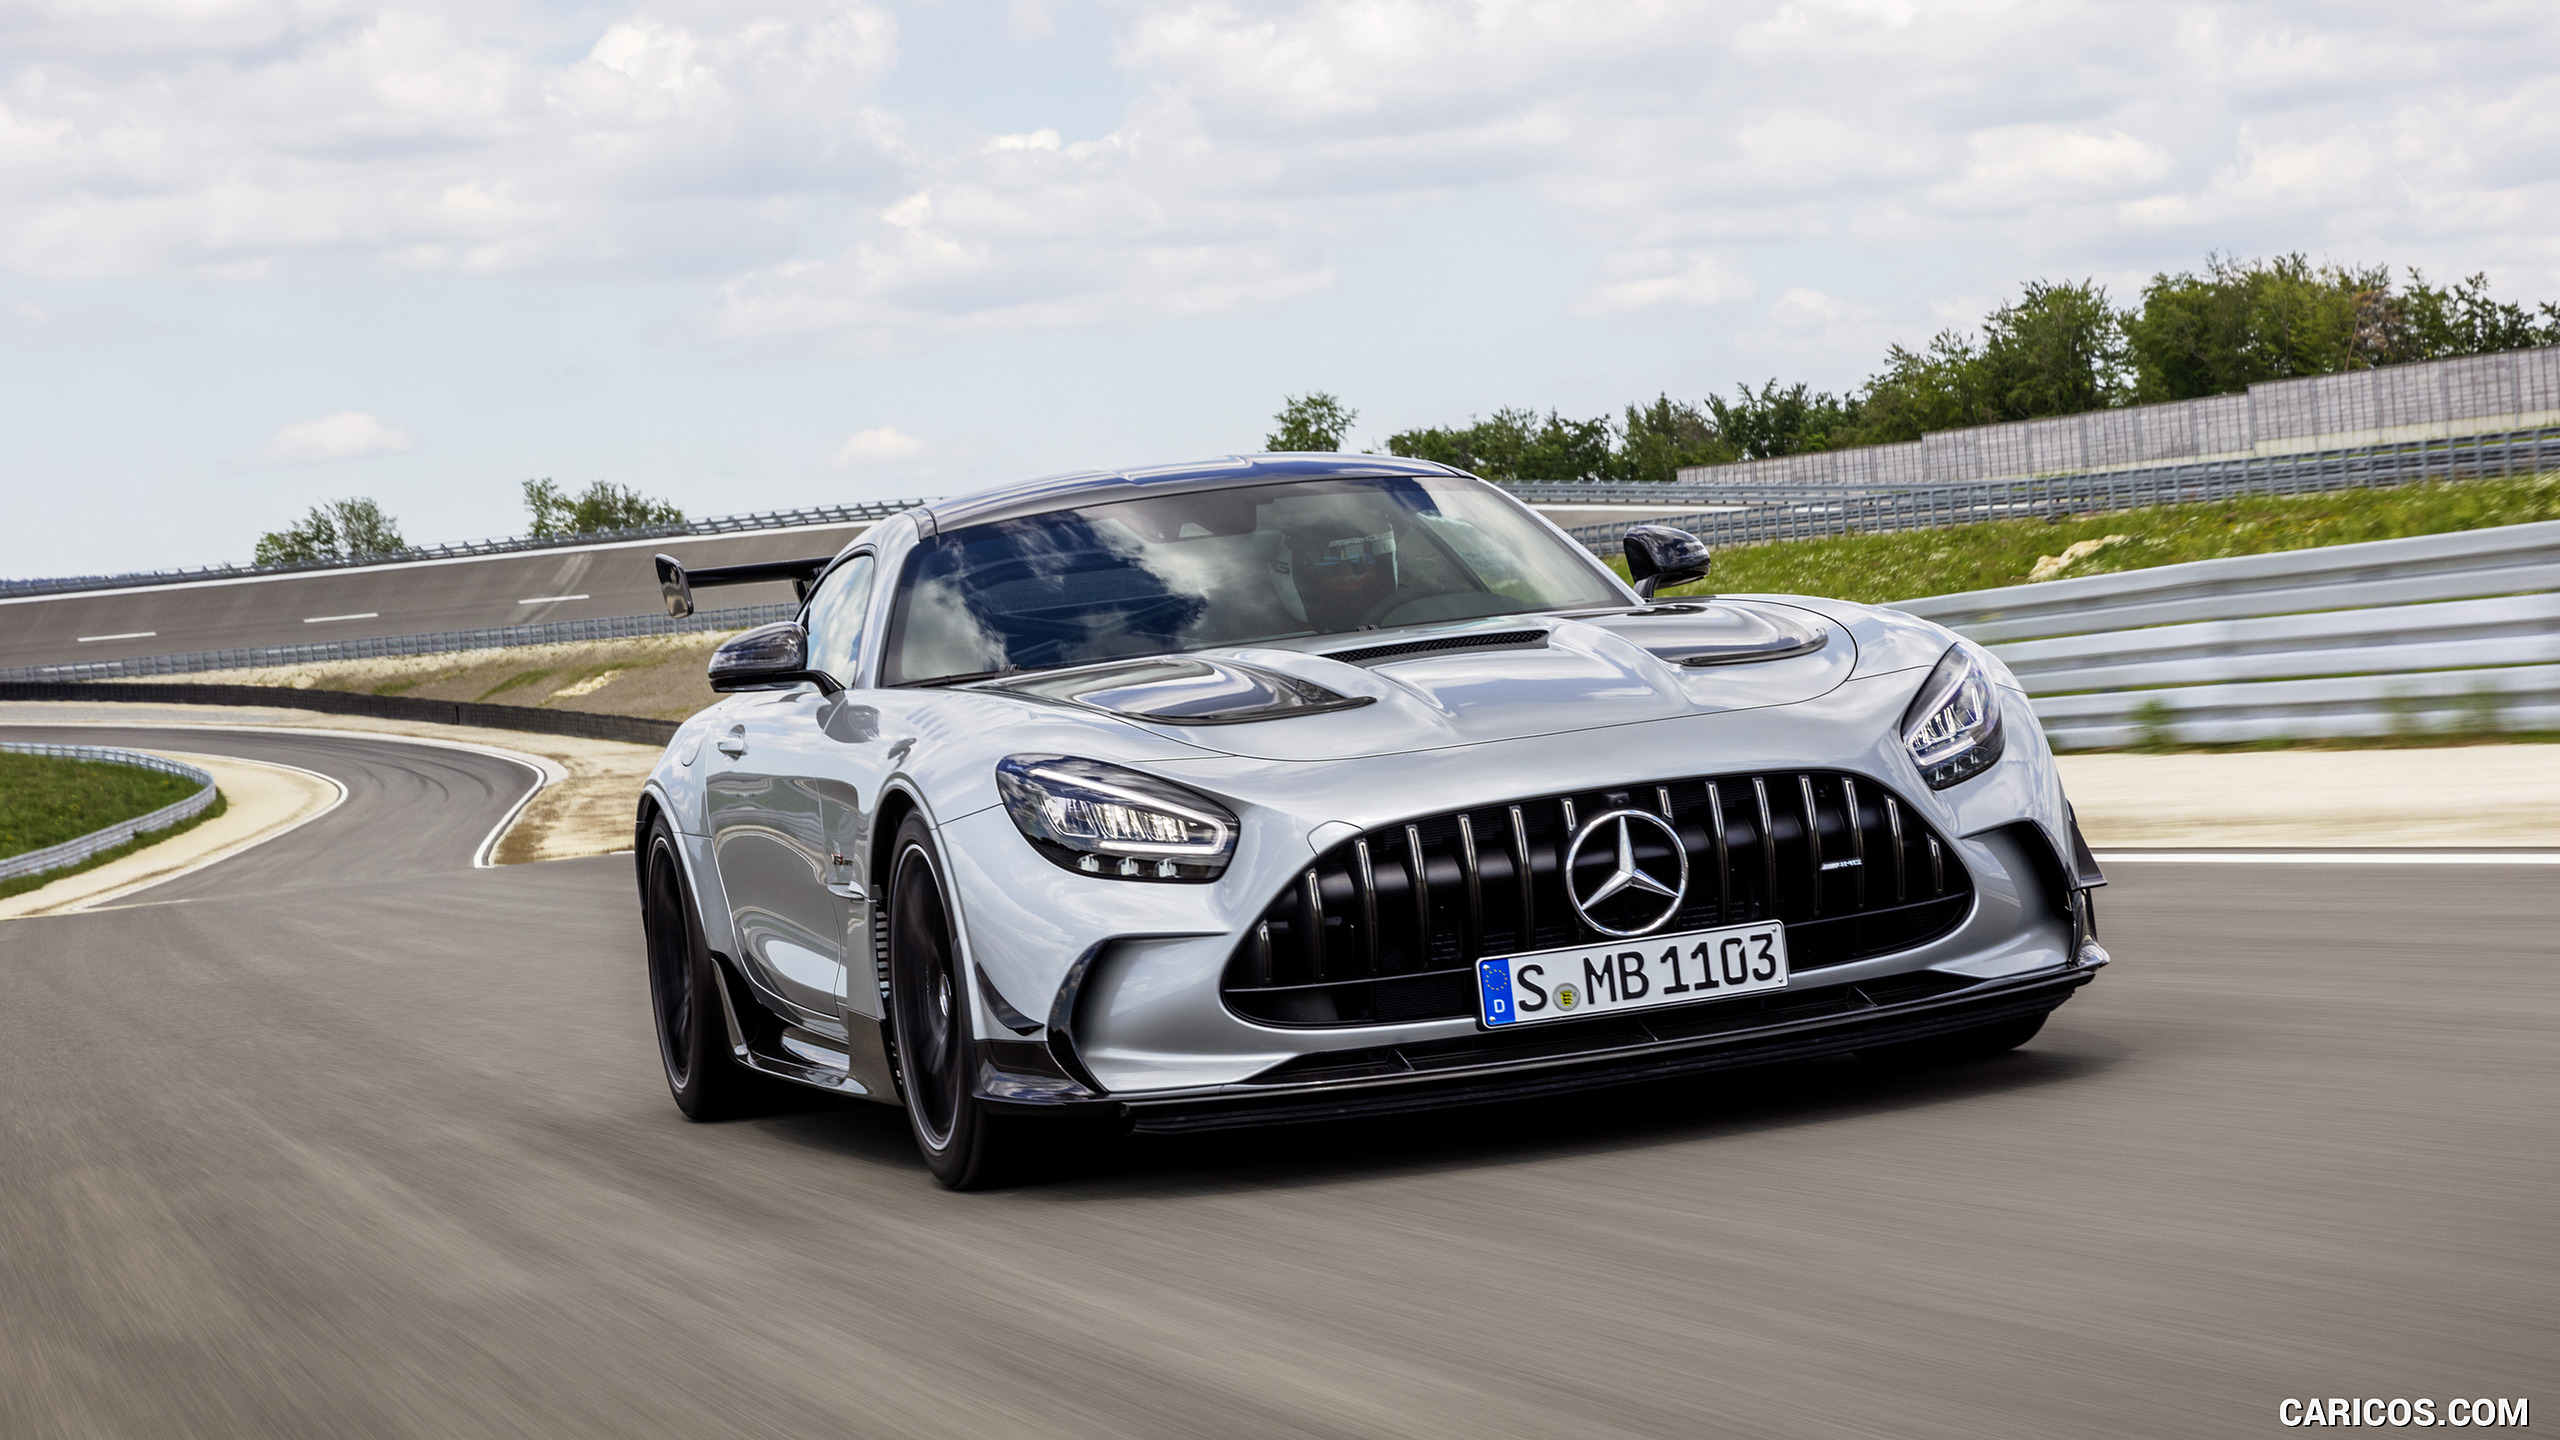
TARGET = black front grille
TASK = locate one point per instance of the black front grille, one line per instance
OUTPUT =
(1387, 927)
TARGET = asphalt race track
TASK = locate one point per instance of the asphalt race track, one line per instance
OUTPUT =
(418, 598)
(345, 1138)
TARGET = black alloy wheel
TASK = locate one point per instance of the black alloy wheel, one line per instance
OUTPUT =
(929, 1016)
(693, 1032)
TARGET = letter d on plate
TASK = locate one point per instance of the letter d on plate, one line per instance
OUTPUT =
(1495, 976)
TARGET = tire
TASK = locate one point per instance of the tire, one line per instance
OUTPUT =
(964, 1146)
(684, 1004)
(1979, 1043)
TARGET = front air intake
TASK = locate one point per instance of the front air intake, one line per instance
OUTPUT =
(1386, 928)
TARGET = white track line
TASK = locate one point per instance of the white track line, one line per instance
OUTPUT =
(548, 599)
(545, 772)
(325, 619)
(95, 901)
(2329, 857)
(128, 635)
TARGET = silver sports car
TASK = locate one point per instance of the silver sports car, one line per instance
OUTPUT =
(1286, 787)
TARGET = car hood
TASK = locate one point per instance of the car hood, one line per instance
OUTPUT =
(1426, 689)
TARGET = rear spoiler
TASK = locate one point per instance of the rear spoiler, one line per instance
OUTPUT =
(677, 584)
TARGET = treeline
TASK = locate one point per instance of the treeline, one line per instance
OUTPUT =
(358, 529)
(2059, 349)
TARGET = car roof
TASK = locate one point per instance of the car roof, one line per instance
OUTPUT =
(1089, 487)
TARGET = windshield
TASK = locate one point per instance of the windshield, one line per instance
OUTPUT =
(1225, 567)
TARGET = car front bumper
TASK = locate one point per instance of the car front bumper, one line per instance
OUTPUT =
(1586, 1055)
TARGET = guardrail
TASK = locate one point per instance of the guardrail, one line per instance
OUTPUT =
(2436, 632)
(550, 632)
(629, 728)
(73, 852)
(856, 514)
(1811, 512)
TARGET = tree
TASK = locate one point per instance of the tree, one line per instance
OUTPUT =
(2058, 350)
(1315, 421)
(1769, 422)
(351, 529)
(2431, 324)
(1659, 439)
(601, 506)
(1515, 445)
(2240, 323)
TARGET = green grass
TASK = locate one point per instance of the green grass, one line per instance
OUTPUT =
(1908, 564)
(25, 883)
(46, 801)
(516, 681)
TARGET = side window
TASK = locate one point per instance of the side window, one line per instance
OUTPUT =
(836, 614)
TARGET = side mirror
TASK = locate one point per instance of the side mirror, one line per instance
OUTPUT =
(767, 658)
(673, 585)
(1658, 555)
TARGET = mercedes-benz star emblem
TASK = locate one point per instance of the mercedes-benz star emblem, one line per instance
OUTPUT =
(1629, 885)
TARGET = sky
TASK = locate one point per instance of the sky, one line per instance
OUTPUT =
(760, 254)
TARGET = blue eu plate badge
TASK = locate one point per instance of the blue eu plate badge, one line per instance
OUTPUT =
(1495, 976)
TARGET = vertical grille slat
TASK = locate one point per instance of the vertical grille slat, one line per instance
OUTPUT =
(1893, 823)
(1857, 844)
(1768, 847)
(1418, 867)
(1812, 839)
(1469, 863)
(1369, 937)
(1527, 876)
(1724, 860)
(1368, 878)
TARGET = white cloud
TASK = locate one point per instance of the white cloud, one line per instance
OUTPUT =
(1645, 279)
(1702, 151)
(882, 446)
(347, 435)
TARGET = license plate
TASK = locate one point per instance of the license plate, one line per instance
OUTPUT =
(1622, 975)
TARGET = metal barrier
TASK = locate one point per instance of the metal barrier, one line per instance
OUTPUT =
(2391, 637)
(1813, 512)
(73, 852)
(630, 728)
(553, 632)
(857, 514)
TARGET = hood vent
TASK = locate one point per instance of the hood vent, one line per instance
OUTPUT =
(1480, 640)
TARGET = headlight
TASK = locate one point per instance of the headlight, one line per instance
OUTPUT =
(1100, 819)
(1953, 728)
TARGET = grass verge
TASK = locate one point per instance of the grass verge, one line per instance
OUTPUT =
(25, 883)
(46, 800)
(1907, 564)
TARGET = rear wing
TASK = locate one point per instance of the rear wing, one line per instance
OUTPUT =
(676, 583)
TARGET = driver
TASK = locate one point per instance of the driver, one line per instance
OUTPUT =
(1342, 579)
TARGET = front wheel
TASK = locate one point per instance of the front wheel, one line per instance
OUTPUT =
(964, 1146)
(693, 1032)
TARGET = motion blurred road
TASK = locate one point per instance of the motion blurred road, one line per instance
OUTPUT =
(413, 598)
(423, 597)
(344, 1137)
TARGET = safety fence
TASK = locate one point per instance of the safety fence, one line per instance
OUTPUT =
(819, 515)
(74, 852)
(2436, 399)
(581, 723)
(551, 632)
(2433, 634)
(1800, 513)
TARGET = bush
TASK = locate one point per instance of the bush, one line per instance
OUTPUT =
(601, 506)
(350, 529)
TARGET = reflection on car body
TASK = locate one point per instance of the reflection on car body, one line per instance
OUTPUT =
(1233, 794)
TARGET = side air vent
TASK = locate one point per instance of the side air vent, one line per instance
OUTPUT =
(1485, 640)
